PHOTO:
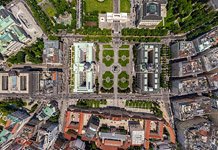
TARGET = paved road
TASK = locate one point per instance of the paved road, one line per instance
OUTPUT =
(167, 105)
(79, 14)
(116, 6)
(65, 97)
(116, 44)
(43, 66)
(172, 37)
(116, 48)
(59, 97)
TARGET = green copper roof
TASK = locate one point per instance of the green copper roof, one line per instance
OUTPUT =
(4, 135)
(9, 30)
(5, 19)
(49, 111)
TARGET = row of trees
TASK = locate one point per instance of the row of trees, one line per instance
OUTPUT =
(91, 103)
(93, 31)
(101, 39)
(145, 32)
(165, 54)
(140, 39)
(43, 20)
(152, 106)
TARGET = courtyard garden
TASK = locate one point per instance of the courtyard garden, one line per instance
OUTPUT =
(71, 71)
(123, 80)
(108, 57)
(108, 78)
(123, 57)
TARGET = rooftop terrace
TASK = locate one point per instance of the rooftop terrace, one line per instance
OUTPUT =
(189, 86)
(211, 59)
(187, 68)
(188, 108)
(213, 81)
(52, 53)
(183, 49)
(206, 41)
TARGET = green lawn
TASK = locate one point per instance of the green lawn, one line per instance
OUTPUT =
(122, 62)
(49, 9)
(108, 74)
(108, 84)
(123, 85)
(124, 46)
(108, 62)
(94, 5)
(107, 46)
(123, 74)
(125, 6)
(108, 52)
(123, 52)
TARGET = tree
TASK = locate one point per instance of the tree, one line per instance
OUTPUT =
(4, 2)
(19, 58)
(61, 6)
(34, 52)
(184, 7)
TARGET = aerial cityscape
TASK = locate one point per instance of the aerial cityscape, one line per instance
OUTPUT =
(108, 74)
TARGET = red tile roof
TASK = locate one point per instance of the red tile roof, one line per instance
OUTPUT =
(203, 132)
(81, 122)
(113, 143)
